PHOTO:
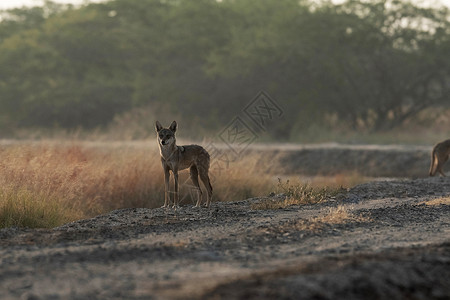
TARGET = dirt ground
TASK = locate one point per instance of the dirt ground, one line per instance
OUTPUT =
(401, 161)
(395, 246)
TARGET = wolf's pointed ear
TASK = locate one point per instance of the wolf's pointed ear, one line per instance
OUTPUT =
(158, 126)
(173, 126)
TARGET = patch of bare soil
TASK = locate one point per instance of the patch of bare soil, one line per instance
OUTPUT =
(380, 240)
(326, 159)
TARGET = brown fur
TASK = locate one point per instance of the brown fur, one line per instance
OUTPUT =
(439, 156)
(176, 158)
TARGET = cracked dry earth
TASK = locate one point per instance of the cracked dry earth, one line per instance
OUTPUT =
(396, 245)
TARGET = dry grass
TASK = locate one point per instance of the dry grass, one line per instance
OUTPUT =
(340, 215)
(26, 209)
(75, 181)
(335, 216)
(298, 194)
(438, 201)
(46, 184)
(53, 183)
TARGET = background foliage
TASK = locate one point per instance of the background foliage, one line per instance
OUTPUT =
(362, 65)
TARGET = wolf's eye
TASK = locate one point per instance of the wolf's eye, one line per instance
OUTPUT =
(160, 136)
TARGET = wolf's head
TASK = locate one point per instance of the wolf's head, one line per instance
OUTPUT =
(166, 136)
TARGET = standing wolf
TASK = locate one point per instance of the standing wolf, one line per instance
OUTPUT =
(439, 156)
(175, 158)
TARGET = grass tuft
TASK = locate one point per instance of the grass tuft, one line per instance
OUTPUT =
(21, 208)
(340, 215)
(335, 216)
(297, 194)
(437, 201)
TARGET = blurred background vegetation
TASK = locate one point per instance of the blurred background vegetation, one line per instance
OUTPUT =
(366, 67)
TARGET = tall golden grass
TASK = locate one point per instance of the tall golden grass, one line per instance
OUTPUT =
(73, 181)
(46, 184)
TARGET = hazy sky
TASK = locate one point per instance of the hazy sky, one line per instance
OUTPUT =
(15, 3)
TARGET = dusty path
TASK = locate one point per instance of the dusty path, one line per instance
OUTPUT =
(395, 245)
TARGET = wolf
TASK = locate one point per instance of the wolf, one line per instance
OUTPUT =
(175, 158)
(439, 156)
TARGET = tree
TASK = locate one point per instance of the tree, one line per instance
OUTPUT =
(367, 64)
(392, 62)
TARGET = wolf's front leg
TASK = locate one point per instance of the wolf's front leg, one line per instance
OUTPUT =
(166, 188)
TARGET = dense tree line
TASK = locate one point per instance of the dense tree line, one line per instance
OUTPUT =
(364, 64)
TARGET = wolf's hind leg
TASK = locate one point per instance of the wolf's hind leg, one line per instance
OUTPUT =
(194, 177)
(205, 179)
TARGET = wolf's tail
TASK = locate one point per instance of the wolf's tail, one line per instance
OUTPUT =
(433, 163)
